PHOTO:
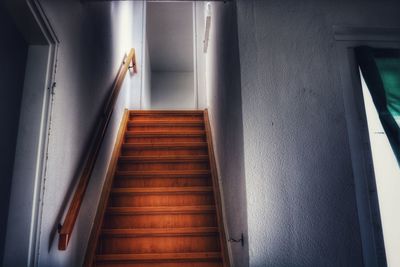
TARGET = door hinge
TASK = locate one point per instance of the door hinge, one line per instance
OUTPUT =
(53, 88)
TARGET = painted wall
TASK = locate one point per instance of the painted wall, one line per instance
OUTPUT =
(93, 39)
(301, 202)
(146, 89)
(172, 90)
(225, 108)
(13, 54)
(200, 55)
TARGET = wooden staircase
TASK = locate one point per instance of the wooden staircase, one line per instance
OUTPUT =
(162, 205)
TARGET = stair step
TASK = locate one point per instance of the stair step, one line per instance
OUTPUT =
(159, 218)
(153, 146)
(147, 124)
(193, 231)
(166, 112)
(163, 163)
(158, 122)
(126, 182)
(164, 133)
(164, 149)
(165, 125)
(161, 190)
(162, 179)
(163, 159)
(164, 174)
(127, 241)
(161, 196)
(164, 136)
(161, 210)
(160, 257)
(166, 115)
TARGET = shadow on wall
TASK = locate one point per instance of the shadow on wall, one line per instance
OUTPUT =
(13, 54)
(94, 36)
(225, 107)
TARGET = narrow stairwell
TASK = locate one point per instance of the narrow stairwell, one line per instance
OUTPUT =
(161, 209)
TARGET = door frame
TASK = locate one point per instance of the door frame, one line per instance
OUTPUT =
(347, 38)
(33, 170)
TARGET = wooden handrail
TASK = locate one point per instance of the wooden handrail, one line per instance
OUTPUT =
(67, 227)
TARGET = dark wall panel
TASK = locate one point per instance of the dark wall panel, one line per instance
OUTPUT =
(13, 53)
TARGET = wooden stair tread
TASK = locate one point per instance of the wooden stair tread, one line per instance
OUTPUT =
(189, 231)
(164, 133)
(158, 122)
(166, 112)
(199, 256)
(162, 159)
(164, 190)
(162, 210)
(173, 174)
(170, 145)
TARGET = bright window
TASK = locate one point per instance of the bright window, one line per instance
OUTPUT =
(386, 166)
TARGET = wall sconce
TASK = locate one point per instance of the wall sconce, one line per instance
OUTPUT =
(207, 28)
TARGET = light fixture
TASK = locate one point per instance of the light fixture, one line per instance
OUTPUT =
(207, 28)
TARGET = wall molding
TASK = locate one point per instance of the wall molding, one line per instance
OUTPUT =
(355, 33)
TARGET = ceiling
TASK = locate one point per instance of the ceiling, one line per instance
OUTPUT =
(170, 36)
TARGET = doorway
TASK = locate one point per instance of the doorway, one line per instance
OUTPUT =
(169, 73)
(373, 210)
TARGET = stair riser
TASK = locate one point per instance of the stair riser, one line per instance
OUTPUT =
(160, 264)
(166, 128)
(160, 221)
(120, 182)
(154, 200)
(160, 166)
(167, 118)
(159, 244)
(164, 152)
(164, 139)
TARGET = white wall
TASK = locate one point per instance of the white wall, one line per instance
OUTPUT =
(146, 89)
(225, 109)
(200, 61)
(93, 40)
(172, 90)
(302, 208)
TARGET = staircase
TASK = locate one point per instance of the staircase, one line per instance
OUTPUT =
(161, 208)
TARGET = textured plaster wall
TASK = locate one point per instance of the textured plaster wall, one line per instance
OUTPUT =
(93, 39)
(299, 181)
(13, 54)
(225, 108)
